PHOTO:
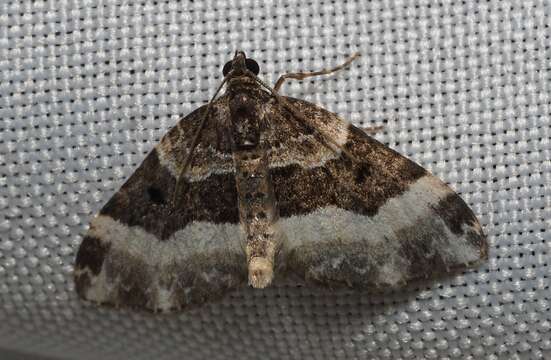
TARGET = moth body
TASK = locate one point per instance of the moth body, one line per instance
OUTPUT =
(254, 186)
(257, 207)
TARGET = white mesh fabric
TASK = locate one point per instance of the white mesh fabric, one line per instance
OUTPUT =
(87, 88)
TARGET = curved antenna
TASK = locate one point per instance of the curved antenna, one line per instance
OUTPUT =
(178, 188)
(304, 75)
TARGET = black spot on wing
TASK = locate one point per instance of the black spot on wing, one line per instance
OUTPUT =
(362, 188)
(144, 200)
(455, 213)
(156, 195)
(362, 172)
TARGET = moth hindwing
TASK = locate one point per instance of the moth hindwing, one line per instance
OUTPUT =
(255, 185)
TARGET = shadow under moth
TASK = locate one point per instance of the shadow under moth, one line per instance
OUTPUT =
(255, 186)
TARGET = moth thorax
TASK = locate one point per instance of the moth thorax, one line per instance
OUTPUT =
(245, 122)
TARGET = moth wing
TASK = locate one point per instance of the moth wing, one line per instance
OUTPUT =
(379, 222)
(143, 252)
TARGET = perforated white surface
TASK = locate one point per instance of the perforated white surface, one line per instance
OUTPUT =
(88, 87)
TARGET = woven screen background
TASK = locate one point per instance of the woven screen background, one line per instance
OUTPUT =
(87, 88)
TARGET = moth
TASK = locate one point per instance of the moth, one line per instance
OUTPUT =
(256, 186)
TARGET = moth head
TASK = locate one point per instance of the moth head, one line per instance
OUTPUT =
(239, 63)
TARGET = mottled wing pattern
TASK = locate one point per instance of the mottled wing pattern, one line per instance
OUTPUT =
(142, 251)
(379, 222)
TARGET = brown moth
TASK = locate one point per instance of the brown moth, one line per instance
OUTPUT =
(255, 186)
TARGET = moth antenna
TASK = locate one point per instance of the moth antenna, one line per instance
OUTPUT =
(196, 136)
(304, 75)
(373, 129)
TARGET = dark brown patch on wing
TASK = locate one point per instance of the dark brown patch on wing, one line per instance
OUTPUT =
(285, 137)
(418, 245)
(453, 210)
(90, 258)
(360, 187)
(423, 242)
(301, 191)
(213, 137)
(144, 200)
(378, 160)
(132, 293)
(82, 283)
(131, 281)
(363, 186)
(91, 254)
(298, 190)
(460, 219)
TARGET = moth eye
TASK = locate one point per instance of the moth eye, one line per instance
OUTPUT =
(252, 66)
(226, 69)
(155, 195)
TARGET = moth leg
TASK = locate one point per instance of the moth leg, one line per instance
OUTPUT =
(304, 75)
(372, 130)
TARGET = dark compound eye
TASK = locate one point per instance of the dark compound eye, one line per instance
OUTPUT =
(227, 68)
(252, 66)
